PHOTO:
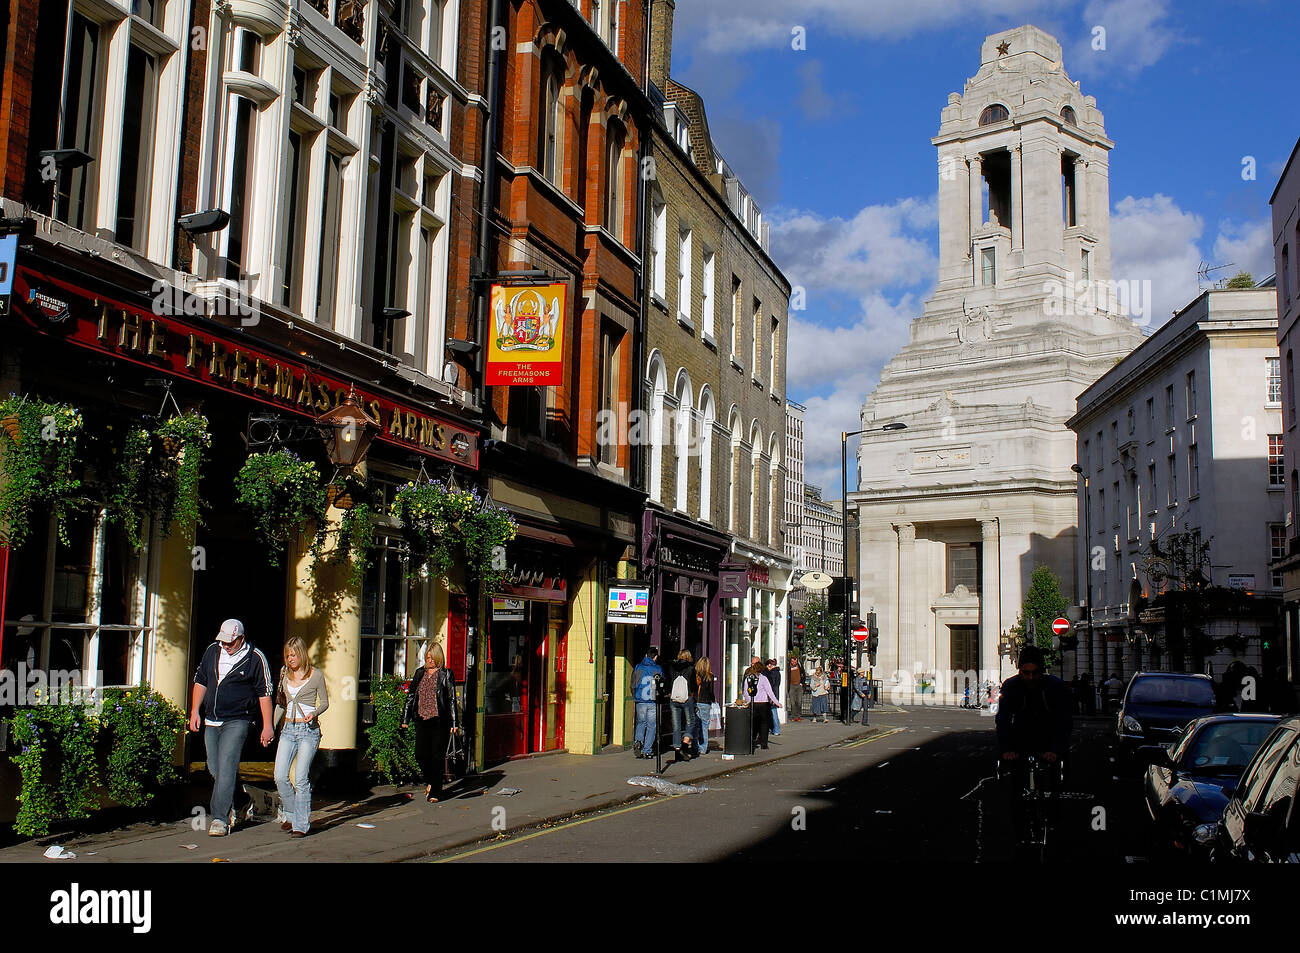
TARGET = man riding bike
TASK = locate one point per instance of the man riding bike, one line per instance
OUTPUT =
(1034, 720)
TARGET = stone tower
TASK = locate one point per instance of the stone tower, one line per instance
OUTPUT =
(957, 509)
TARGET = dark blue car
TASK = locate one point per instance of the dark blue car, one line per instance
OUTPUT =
(1156, 708)
(1188, 784)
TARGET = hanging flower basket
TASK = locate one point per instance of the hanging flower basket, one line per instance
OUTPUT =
(445, 527)
(355, 533)
(40, 462)
(282, 493)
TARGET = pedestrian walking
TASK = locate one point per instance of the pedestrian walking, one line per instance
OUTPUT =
(645, 681)
(300, 701)
(431, 707)
(794, 694)
(860, 687)
(231, 688)
(705, 696)
(773, 673)
(682, 704)
(820, 691)
(764, 699)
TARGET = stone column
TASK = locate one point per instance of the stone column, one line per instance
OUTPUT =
(1017, 219)
(1080, 193)
(976, 194)
(906, 596)
(990, 599)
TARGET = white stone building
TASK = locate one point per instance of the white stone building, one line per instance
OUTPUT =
(1184, 436)
(957, 509)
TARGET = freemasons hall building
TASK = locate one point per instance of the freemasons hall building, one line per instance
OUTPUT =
(958, 509)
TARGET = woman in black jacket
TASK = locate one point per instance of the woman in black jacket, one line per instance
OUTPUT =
(683, 711)
(431, 706)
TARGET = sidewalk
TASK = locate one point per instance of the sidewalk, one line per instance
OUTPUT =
(406, 827)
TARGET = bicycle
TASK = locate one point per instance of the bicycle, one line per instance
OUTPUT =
(1038, 802)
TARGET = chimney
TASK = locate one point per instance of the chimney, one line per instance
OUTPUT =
(661, 40)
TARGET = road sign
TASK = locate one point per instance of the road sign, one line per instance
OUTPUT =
(1060, 626)
(815, 580)
(861, 634)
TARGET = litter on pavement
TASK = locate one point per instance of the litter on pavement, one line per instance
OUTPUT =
(58, 853)
(508, 792)
(666, 787)
(369, 827)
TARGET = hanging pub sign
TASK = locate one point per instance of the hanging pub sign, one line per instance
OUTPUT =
(526, 346)
(169, 344)
(628, 604)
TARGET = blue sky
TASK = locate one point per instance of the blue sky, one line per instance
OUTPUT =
(833, 140)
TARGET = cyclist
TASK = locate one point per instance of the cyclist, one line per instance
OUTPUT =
(1034, 719)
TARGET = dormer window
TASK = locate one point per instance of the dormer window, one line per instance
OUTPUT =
(995, 113)
(1067, 113)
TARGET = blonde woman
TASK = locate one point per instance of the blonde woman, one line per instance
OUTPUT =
(301, 699)
(704, 698)
(820, 693)
(431, 705)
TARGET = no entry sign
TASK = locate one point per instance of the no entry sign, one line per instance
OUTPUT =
(1060, 626)
(861, 633)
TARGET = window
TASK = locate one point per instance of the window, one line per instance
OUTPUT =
(658, 385)
(684, 274)
(331, 210)
(1193, 472)
(1086, 455)
(1114, 495)
(995, 113)
(135, 171)
(1286, 276)
(1276, 551)
(1085, 265)
(551, 145)
(682, 441)
(1101, 511)
(707, 416)
(1295, 501)
(1114, 440)
(1191, 394)
(1132, 423)
(1151, 486)
(707, 295)
(1169, 407)
(240, 179)
(1101, 452)
(658, 244)
(735, 317)
(964, 566)
(81, 122)
(1290, 389)
(1151, 419)
(771, 355)
(299, 161)
(1134, 515)
(1067, 113)
(988, 267)
(614, 140)
(1274, 365)
(1276, 465)
(757, 326)
(610, 337)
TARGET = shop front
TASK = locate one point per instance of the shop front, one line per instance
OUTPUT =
(755, 624)
(125, 603)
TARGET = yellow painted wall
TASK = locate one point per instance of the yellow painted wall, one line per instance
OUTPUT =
(325, 610)
(586, 636)
(172, 669)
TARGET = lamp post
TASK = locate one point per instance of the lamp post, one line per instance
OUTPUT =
(844, 532)
(1087, 561)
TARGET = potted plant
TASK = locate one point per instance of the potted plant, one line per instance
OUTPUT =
(185, 437)
(282, 493)
(355, 534)
(39, 443)
(444, 527)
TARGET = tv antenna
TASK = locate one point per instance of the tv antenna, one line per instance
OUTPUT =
(1203, 274)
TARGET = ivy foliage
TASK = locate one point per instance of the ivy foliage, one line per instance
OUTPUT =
(392, 747)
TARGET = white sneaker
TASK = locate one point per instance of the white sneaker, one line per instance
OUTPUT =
(218, 829)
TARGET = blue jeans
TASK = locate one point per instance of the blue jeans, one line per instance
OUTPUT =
(223, 745)
(702, 712)
(297, 748)
(776, 719)
(683, 719)
(647, 725)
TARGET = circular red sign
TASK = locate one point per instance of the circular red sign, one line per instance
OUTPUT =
(1060, 626)
(860, 634)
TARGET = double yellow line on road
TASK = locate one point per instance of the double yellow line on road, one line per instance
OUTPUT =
(867, 741)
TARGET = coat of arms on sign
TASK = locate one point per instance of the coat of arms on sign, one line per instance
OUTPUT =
(524, 322)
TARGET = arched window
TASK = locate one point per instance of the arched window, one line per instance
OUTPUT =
(682, 439)
(657, 386)
(1067, 113)
(615, 137)
(995, 113)
(775, 494)
(707, 416)
(756, 479)
(550, 148)
(733, 471)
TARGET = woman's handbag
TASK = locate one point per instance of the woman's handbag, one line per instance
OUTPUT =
(715, 717)
(457, 756)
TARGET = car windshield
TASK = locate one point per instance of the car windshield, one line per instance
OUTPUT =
(1177, 692)
(1224, 747)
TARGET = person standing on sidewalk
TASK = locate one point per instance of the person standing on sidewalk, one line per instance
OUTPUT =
(645, 680)
(704, 698)
(762, 704)
(819, 692)
(231, 687)
(773, 674)
(860, 687)
(794, 694)
(682, 702)
(301, 699)
(431, 705)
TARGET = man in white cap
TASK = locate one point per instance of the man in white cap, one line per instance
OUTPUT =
(232, 684)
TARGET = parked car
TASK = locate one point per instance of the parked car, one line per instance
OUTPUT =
(1187, 785)
(1261, 823)
(1156, 708)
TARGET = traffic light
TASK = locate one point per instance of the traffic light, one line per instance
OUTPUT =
(1069, 642)
(797, 629)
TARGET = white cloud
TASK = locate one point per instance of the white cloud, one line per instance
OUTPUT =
(1135, 37)
(1247, 245)
(1154, 240)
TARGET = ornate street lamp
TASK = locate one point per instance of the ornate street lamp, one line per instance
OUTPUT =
(347, 431)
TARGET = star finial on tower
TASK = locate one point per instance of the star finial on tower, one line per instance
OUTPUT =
(1004, 48)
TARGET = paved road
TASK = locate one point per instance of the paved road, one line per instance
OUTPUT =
(912, 793)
